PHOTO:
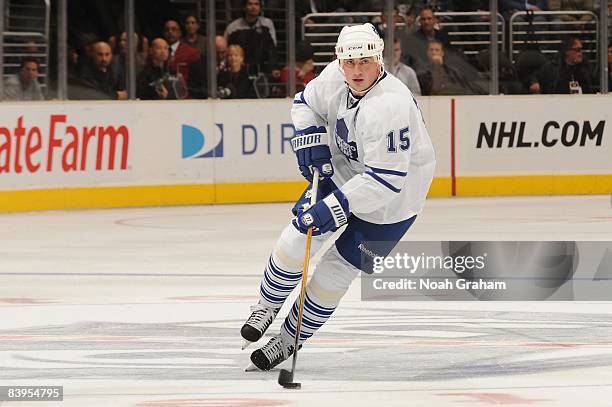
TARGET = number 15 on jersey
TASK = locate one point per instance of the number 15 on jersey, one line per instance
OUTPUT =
(404, 140)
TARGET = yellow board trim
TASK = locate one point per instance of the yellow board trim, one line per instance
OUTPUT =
(535, 185)
(261, 192)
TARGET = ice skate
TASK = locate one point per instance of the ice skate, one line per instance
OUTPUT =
(276, 351)
(260, 320)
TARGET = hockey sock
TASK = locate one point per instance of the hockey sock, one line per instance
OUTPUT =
(314, 315)
(277, 283)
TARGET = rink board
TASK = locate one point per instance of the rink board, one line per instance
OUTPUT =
(103, 154)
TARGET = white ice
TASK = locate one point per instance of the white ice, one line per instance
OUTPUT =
(143, 306)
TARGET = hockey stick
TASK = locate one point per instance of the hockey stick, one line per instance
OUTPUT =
(285, 378)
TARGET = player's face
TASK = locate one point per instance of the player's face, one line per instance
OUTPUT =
(361, 73)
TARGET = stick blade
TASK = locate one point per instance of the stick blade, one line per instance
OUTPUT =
(285, 379)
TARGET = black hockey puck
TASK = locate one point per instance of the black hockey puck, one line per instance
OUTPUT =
(285, 379)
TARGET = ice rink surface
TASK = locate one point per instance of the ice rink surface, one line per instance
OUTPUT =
(142, 307)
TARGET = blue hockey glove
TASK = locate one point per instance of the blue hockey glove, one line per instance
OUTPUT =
(326, 215)
(311, 148)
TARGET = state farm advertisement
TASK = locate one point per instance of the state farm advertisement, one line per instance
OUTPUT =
(91, 144)
(58, 145)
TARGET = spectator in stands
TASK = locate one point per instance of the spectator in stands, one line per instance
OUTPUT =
(193, 37)
(257, 37)
(198, 73)
(414, 46)
(120, 52)
(402, 71)
(380, 22)
(234, 82)
(86, 51)
(471, 6)
(429, 29)
(154, 80)
(439, 78)
(182, 56)
(221, 46)
(567, 74)
(101, 76)
(24, 85)
(441, 6)
(508, 7)
(578, 21)
(304, 69)
(412, 9)
(252, 20)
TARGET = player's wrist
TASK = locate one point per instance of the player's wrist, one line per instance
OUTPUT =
(338, 206)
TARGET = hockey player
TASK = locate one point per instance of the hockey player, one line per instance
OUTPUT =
(363, 130)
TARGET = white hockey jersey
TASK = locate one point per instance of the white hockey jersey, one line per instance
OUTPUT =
(382, 155)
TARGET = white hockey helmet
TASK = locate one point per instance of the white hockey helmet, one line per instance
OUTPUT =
(360, 41)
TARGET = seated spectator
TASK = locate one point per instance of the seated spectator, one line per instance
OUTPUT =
(439, 78)
(508, 79)
(86, 52)
(578, 20)
(252, 20)
(101, 76)
(440, 6)
(154, 81)
(193, 37)
(304, 70)
(182, 56)
(508, 7)
(414, 46)
(221, 47)
(234, 82)
(402, 71)
(24, 85)
(257, 37)
(527, 63)
(380, 22)
(414, 7)
(120, 52)
(471, 6)
(567, 74)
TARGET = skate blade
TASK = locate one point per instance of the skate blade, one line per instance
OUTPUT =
(246, 344)
(252, 368)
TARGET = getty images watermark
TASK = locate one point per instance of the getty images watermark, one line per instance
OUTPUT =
(481, 270)
(412, 264)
